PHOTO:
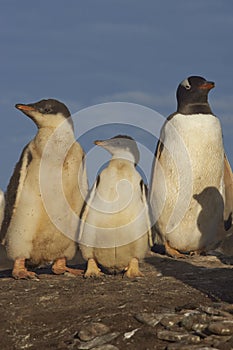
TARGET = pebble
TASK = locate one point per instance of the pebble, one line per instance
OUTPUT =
(221, 328)
(171, 320)
(179, 346)
(177, 336)
(214, 340)
(98, 341)
(92, 330)
(105, 347)
(130, 334)
(195, 322)
(150, 319)
(212, 311)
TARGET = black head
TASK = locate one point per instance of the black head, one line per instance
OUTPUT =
(121, 143)
(49, 106)
(192, 96)
(46, 112)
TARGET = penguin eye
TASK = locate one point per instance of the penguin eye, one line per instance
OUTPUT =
(47, 110)
(187, 87)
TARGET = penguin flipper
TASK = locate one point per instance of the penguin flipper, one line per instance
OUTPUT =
(86, 206)
(159, 147)
(14, 188)
(144, 197)
(83, 177)
(228, 182)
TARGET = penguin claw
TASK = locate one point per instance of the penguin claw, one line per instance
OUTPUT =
(92, 270)
(132, 270)
(20, 272)
(25, 274)
(174, 253)
(59, 268)
(94, 275)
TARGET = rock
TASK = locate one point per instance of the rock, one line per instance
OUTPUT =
(180, 346)
(215, 311)
(226, 345)
(105, 347)
(190, 307)
(228, 308)
(171, 320)
(194, 322)
(177, 336)
(92, 330)
(221, 328)
(130, 334)
(214, 340)
(150, 319)
(98, 341)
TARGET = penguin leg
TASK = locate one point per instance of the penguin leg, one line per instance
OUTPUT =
(59, 267)
(174, 253)
(132, 269)
(20, 272)
(92, 269)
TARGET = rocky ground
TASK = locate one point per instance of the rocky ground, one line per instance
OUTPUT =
(179, 304)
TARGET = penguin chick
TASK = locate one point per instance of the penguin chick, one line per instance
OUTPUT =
(115, 227)
(32, 220)
(191, 190)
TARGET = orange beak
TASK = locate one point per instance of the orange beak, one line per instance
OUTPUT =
(98, 142)
(24, 107)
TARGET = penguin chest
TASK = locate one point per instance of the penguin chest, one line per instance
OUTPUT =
(117, 203)
(116, 225)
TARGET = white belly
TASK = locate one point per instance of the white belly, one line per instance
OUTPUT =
(36, 227)
(191, 164)
(116, 225)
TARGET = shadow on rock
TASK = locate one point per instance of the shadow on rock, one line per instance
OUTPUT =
(215, 282)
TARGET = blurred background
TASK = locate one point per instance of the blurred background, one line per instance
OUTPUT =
(90, 52)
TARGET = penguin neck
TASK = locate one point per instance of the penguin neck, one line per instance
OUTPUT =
(123, 157)
(64, 129)
(63, 134)
(194, 108)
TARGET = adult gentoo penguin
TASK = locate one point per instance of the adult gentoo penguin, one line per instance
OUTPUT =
(29, 230)
(115, 227)
(190, 182)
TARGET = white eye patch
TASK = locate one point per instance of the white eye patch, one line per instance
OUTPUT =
(185, 83)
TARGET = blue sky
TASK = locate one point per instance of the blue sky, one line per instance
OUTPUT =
(89, 52)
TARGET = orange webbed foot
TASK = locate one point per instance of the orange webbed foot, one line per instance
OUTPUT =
(20, 272)
(132, 270)
(59, 268)
(92, 270)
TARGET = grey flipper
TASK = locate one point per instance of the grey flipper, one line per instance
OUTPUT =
(2, 206)
(157, 236)
(228, 182)
(159, 147)
(226, 246)
(144, 197)
(14, 190)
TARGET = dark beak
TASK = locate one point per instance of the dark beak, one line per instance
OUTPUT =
(208, 85)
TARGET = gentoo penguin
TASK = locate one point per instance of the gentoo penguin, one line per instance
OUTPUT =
(115, 227)
(190, 182)
(31, 226)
